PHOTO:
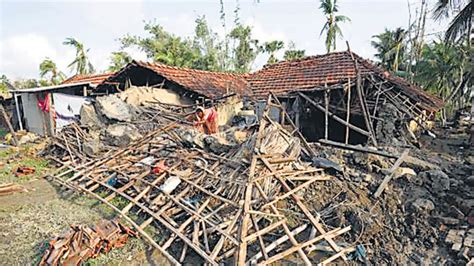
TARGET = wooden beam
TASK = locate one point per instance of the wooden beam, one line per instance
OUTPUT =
(333, 116)
(357, 148)
(391, 172)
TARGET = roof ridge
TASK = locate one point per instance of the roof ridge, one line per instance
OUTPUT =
(189, 69)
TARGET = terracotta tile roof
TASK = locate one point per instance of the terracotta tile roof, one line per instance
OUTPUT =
(207, 83)
(94, 79)
(315, 71)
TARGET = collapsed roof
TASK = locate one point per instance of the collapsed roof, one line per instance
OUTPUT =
(205, 83)
(317, 71)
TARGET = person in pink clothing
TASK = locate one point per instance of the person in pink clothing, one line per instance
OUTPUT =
(207, 120)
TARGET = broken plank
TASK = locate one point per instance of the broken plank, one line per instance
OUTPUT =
(391, 172)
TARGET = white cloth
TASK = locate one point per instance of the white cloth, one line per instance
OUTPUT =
(67, 107)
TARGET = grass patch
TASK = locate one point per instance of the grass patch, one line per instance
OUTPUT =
(12, 158)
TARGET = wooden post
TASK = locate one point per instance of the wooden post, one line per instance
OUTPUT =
(326, 111)
(348, 115)
(297, 110)
(360, 93)
(7, 120)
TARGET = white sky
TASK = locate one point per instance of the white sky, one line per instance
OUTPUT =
(33, 30)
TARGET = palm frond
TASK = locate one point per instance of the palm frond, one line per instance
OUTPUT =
(461, 24)
(342, 18)
(442, 9)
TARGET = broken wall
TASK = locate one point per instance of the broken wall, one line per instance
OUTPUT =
(228, 109)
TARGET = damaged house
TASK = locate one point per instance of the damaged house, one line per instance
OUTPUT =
(33, 106)
(345, 98)
(182, 86)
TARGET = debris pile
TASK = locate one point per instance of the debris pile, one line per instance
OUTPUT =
(261, 194)
(83, 242)
(243, 205)
(112, 121)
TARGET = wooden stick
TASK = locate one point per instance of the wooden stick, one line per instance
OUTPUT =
(10, 127)
(277, 242)
(357, 148)
(348, 115)
(326, 235)
(391, 172)
(326, 113)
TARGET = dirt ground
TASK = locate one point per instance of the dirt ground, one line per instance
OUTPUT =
(30, 219)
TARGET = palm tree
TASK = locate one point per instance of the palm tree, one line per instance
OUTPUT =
(390, 46)
(119, 60)
(81, 63)
(271, 48)
(331, 27)
(461, 25)
(442, 70)
(49, 67)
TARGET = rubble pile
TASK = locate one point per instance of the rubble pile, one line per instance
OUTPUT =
(83, 242)
(260, 194)
(243, 204)
(112, 121)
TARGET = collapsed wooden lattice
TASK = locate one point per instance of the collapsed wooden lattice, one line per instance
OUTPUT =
(241, 206)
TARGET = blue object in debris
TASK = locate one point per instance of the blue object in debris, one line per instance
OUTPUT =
(359, 254)
(112, 182)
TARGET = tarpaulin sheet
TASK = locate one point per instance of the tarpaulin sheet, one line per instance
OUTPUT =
(67, 108)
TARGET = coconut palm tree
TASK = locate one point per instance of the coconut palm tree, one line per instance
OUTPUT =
(48, 67)
(390, 46)
(271, 48)
(81, 63)
(331, 27)
(461, 25)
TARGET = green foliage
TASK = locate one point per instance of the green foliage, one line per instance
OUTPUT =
(292, 53)
(271, 48)
(441, 67)
(49, 68)
(390, 46)
(331, 27)
(3, 84)
(245, 49)
(460, 26)
(81, 63)
(208, 47)
(119, 60)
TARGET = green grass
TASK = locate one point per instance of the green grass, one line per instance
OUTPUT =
(12, 158)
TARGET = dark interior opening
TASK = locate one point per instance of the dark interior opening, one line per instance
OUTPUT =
(312, 127)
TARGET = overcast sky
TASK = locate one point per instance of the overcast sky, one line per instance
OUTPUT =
(33, 30)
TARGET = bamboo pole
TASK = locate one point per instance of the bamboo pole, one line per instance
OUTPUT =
(326, 112)
(348, 115)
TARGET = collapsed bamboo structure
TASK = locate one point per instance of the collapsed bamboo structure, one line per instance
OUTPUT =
(195, 206)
